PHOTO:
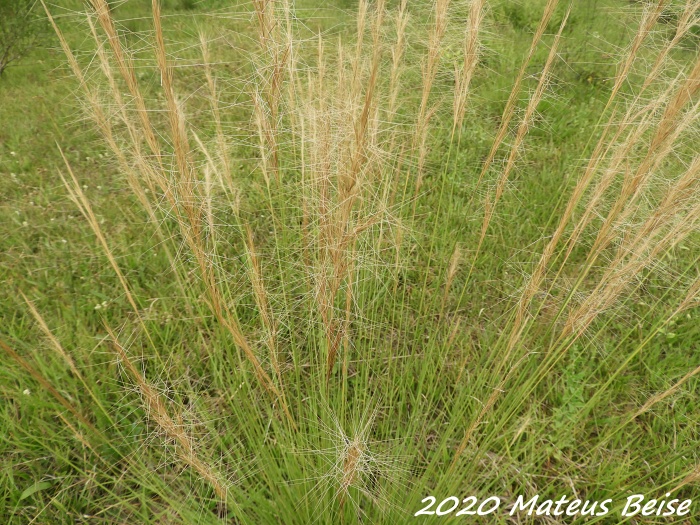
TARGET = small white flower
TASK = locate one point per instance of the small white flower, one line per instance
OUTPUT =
(26, 392)
(13, 153)
(64, 241)
(98, 307)
(25, 223)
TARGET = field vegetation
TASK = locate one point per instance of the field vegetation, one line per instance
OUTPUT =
(266, 262)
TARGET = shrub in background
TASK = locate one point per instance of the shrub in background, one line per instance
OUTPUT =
(21, 30)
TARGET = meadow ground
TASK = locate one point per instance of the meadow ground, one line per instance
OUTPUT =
(264, 263)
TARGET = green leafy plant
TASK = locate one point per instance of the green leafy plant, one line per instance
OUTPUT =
(21, 30)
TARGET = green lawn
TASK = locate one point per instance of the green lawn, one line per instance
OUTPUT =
(332, 326)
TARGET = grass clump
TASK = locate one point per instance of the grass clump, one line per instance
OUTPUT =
(381, 266)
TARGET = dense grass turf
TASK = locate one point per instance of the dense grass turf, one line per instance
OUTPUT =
(324, 311)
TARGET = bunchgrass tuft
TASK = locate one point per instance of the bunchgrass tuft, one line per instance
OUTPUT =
(386, 261)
